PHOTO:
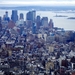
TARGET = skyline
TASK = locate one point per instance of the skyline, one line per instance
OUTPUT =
(37, 2)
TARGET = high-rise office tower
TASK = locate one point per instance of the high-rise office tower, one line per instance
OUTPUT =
(21, 16)
(0, 24)
(30, 18)
(51, 24)
(44, 21)
(20, 21)
(38, 18)
(6, 13)
(38, 22)
(0, 19)
(14, 15)
(5, 17)
(31, 15)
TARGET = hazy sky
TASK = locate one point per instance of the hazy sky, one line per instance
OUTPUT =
(38, 2)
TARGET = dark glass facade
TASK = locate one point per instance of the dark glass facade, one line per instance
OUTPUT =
(14, 15)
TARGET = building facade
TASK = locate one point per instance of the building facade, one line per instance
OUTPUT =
(14, 15)
(0, 24)
(44, 21)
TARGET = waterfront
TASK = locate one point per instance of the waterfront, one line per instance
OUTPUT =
(34, 46)
(61, 22)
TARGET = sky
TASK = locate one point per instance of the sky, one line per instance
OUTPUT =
(38, 2)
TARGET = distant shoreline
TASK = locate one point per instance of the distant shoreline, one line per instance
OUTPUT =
(71, 18)
(43, 8)
(55, 11)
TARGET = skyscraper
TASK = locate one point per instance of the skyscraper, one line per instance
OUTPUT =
(44, 21)
(0, 24)
(51, 24)
(6, 14)
(31, 15)
(6, 18)
(14, 15)
(38, 18)
(38, 22)
(30, 18)
(21, 16)
(0, 19)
